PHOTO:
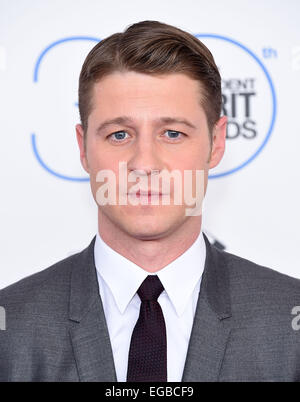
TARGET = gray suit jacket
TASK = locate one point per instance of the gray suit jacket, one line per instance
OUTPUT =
(56, 328)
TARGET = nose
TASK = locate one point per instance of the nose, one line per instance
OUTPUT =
(145, 158)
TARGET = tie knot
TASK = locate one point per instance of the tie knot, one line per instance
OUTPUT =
(150, 289)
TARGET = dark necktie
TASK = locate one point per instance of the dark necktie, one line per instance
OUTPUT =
(147, 359)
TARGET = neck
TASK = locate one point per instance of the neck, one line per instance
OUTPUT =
(151, 255)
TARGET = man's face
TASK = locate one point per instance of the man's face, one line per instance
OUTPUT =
(146, 143)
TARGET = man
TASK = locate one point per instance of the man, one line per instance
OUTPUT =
(150, 299)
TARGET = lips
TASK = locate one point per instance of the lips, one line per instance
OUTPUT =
(148, 193)
(145, 193)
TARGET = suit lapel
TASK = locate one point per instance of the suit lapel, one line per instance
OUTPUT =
(88, 330)
(212, 324)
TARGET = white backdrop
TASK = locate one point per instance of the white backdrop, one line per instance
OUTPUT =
(252, 204)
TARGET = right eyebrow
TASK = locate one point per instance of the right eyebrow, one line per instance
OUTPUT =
(117, 120)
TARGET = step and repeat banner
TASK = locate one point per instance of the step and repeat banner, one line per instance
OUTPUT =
(252, 203)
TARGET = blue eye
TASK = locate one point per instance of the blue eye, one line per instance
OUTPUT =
(119, 135)
(174, 134)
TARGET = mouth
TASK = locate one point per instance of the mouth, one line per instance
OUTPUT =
(146, 193)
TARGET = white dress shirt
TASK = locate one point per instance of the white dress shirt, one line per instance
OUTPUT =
(119, 280)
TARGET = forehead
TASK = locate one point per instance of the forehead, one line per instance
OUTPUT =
(127, 90)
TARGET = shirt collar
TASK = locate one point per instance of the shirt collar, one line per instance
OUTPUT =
(124, 277)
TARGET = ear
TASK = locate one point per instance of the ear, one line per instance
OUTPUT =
(80, 140)
(219, 139)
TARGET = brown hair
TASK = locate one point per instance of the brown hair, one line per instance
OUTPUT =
(152, 47)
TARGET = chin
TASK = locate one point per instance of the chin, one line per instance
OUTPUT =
(146, 235)
(148, 227)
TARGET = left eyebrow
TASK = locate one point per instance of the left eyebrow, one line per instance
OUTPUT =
(170, 120)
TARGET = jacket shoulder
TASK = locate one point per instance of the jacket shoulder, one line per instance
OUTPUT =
(243, 269)
(263, 342)
(43, 289)
(254, 286)
(35, 342)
